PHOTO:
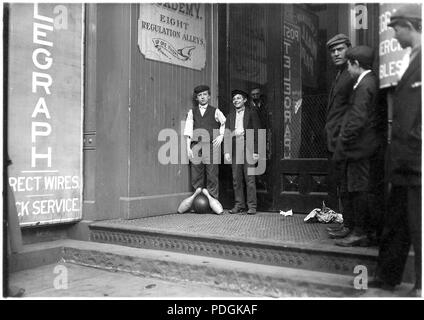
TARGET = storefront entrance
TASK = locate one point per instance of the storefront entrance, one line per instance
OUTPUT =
(281, 50)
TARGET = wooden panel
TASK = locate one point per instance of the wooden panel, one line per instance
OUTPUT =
(161, 95)
(90, 68)
(112, 145)
(303, 184)
(89, 145)
(275, 14)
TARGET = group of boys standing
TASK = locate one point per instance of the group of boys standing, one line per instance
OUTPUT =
(354, 141)
(206, 128)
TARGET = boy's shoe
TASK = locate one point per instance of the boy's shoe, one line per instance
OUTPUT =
(236, 210)
(251, 211)
(335, 228)
(344, 232)
(353, 240)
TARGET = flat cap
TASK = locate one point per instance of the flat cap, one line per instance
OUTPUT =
(411, 11)
(364, 54)
(201, 88)
(237, 91)
(338, 39)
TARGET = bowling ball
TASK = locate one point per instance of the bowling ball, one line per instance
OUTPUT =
(201, 204)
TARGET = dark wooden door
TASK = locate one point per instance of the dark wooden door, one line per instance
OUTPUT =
(300, 166)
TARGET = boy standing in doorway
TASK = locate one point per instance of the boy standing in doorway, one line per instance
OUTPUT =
(204, 132)
(239, 152)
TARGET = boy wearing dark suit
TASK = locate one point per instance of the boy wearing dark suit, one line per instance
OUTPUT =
(238, 150)
(358, 142)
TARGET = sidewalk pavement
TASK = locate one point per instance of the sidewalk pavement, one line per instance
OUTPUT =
(96, 283)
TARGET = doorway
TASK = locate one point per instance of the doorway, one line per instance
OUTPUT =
(280, 49)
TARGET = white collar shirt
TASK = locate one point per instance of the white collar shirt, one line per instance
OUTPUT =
(361, 76)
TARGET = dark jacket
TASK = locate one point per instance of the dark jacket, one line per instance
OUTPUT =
(262, 113)
(359, 137)
(338, 102)
(250, 121)
(405, 149)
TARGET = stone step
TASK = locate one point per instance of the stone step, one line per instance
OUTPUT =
(243, 278)
(315, 255)
(234, 276)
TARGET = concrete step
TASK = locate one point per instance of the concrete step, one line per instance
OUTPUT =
(183, 234)
(233, 276)
(243, 278)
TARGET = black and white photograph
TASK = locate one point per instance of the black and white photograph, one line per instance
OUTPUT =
(224, 152)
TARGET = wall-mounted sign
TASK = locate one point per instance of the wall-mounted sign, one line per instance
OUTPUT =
(292, 90)
(45, 111)
(173, 33)
(393, 59)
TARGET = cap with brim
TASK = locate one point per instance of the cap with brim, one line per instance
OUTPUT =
(338, 39)
(406, 12)
(364, 54)
(237, 91)
(201, 88)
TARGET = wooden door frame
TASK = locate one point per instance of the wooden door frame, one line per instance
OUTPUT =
(275, 78)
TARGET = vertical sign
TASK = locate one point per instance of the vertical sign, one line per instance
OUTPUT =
(173, 33)
(45, 111)
(393, 59)
(292, 90)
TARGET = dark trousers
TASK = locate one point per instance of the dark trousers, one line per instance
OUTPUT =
(376, 195)
(354, 188)
(402, 226)
(356, 214)
(240, 180)
(333, 199)
(205, 171)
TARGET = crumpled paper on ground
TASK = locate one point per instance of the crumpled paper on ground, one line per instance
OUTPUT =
(286, 213)
(324, 215)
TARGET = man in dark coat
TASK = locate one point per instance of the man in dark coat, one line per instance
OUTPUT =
(338, 102)
(241, 125)
(402, 225)
(258, 103)
(358, 142)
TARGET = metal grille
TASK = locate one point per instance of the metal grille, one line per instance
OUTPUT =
(311, 139)
(270, 226)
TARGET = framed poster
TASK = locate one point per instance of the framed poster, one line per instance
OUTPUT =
(45, 111)
(173, 33)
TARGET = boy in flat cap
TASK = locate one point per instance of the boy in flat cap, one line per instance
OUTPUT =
(402, 225)
(238, 151)
(204, 132)
(358, 141)
(338, 102)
